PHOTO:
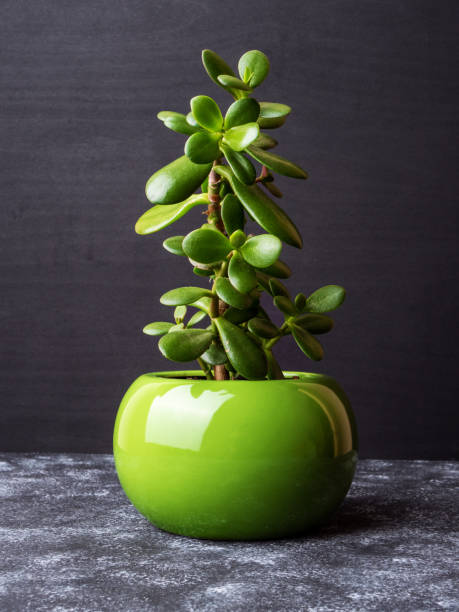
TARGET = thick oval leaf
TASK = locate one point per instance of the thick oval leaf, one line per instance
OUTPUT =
(177, 122)
(275, 162)
(241, 112)
(273, 114)
(300, 301)
(203, 304)
(285, 305)
(253, 67)
(233, 82)
(264, 141)
(262, 209)
(326, 299)
(240, 136)
(179, 313)
(215, 355)
(277, 288)
(310, 346)
(174, 245)
(185, 345)
(161, 216)
(261, 251)
(157, 329)
(183, 295)
(192, 121)
(315, 323)
(244, 355)
(203, 271)
(202, 147)
(240, 165)
(230, 295)
(242, 276)
(207, 113)
(272, 188)
(206, 246)
(279, 269)
(232, 214)
(215, 66)
(236, 316)
(237, 239)
(263, 328)
(196, 318)
(176, 181)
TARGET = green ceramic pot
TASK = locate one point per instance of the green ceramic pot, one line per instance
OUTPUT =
(235, 460)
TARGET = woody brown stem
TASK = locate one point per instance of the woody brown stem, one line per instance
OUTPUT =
(218, 307)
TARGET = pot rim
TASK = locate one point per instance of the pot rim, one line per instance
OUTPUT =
(198, 376)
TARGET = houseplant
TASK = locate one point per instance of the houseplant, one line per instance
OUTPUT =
(238, 449)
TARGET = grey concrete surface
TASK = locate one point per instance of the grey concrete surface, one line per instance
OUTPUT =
(70, 540)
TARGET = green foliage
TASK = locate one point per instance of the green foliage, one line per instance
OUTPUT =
(239, 265)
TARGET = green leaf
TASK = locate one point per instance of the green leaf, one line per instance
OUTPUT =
(203, 304)
(206, 246)
(242, 276)
(272, 114)
(230, 295)
(310, 346)
(275, 162)
(214, 355)
(161, 216)
(196, 318)
(279, 269)
(232, 214)
(326, 299)
(177, 122)
(264, 141)
(192, 121)
(315, 323)
(272, 188)
(240, 165)
(203, 271)
(256, 64)
(244, 355)
(241, 112)
(261, 251)
(176, 181)
(233, 82)
(240, 136)
(185, 345)
(207, 113)
(300, 301)
(202, 147)
(157, 329)
(263, 328)
(262, 209)
(216, 66)
(237, 239)
(179, 313)
(237, 316)
(277, 288)
(285, 305)
(183, 295)
(174, 245)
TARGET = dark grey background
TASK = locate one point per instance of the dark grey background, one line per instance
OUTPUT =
(374, 89)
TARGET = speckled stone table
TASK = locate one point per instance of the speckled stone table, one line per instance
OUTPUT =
(70, 540)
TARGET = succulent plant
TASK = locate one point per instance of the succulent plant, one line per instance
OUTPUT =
(221, 153)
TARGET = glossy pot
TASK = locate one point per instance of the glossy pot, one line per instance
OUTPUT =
(235, 460)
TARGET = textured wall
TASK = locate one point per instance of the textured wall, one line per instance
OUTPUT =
(374, 89)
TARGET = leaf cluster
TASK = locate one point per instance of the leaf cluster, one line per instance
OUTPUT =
(221, 154)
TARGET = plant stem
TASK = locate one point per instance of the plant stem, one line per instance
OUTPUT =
(217, 307)
(205, 368)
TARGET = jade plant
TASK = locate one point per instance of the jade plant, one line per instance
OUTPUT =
(236, 335)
